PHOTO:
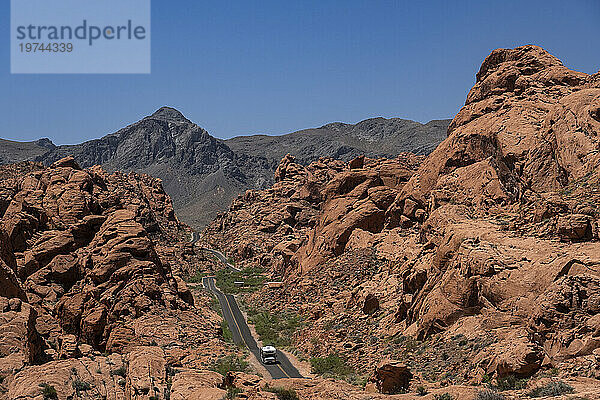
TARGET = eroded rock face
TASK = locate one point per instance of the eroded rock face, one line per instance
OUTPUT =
(10, 286)
(85, 270)
(78, 238)
(494, 236)
(574, 227)
(20, 343)
(197, 385)
(529, 114)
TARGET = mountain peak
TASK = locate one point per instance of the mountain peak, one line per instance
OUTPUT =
(169, 114)
(45, 142)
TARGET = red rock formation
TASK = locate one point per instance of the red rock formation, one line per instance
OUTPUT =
(493, 237)
(85, 268)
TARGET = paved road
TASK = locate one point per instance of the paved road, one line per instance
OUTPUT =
(221, 258)
(241, 332)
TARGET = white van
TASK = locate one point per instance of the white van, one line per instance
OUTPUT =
(268, 355)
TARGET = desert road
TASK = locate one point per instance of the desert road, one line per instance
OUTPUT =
(241, 332)
(221, 258)
(216, 253)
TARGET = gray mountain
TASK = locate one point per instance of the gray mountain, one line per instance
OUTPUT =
(375, 137)
(203, 174)
(198, 171)
(12, 151)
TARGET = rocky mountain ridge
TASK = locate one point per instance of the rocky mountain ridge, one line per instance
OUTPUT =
(12, 151)
(203, 174)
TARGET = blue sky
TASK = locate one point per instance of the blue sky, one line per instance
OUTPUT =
(245, 67)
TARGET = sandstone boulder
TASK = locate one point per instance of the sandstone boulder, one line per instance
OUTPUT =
(574, 227)
(197, 385)
(146, 372)
(20, 343)
(357, 163)
(391, 377)
(370, 304)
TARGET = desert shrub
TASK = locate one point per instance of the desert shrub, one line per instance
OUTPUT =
(283, 393)
(488, 394)
(227, 335)
(80, 386)
(510, 382)
(552, 389)
(232, 392)
(275, 329)
(230, 363)
(215, 305)
(357, 380)
(121, 371)
(332, 365)
(443, 396)
(421, 391)
(49, 392)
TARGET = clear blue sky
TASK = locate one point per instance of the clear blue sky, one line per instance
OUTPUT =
(274, 66)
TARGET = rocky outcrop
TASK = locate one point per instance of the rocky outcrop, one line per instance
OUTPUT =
(198, 385)
(530, 116)
(391, 377)
(574, 227)
(10, 286)
(20, 343)
(85, 271)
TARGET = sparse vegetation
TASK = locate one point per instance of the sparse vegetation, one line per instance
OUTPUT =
(489, 394)
(331, 366)
(80, 386)
(510, 382)
(121, 371)
(252, 277)
(552, 389)
(407, 343)
(443, 396)
(274, 329)
(357, 380)
(230, 363)
(232, 392)
(421, 391)
(197, 277)
(215, 305)
(227, 335)
(283, 393)
(48, 391)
